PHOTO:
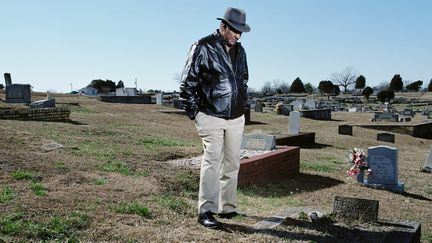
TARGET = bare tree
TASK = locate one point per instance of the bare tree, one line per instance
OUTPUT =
(345, 78)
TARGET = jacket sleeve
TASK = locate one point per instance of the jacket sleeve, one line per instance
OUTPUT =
(190, 81)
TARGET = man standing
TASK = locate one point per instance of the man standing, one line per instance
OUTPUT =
(213, 90)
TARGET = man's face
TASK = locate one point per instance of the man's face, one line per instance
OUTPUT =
(230, 35)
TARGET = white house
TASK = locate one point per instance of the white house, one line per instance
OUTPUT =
(126, 92)
(88, 91)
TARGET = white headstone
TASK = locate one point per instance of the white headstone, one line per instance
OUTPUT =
(159, 98)
(297, 105)
(294, 123)
(428, 163)
(311, 104)
(352, 109)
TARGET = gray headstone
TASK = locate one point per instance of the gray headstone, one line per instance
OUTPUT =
(383, 161)
(258, 141)
(386, 137)
(345, 130)
(294, 123)
(48, 103)
(427, 167)
(258, 108)
(8, 79)
(18, 93)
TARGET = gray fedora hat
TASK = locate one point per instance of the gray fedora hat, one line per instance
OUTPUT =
(236, 18)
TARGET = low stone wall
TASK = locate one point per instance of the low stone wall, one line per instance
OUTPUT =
(303, 139)
(45, 114)
(278, 165)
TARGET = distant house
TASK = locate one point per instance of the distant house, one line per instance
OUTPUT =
(126, 92)
(88, 91)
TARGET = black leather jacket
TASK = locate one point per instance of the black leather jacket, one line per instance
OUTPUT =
(210, 83)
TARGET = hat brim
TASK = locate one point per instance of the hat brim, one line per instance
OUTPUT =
(238, 27)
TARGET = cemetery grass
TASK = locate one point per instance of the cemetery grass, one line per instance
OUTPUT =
(110, 180)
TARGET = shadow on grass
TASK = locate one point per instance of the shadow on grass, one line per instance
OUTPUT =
(293, 229)
(316, 146)
(255, 123)
(415, 196)
(301, 183)
(75, 122)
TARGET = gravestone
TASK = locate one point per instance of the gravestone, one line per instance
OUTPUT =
(310, 104)
(258, 108)
(355, 209)
(386, 116)
(427, 167)
(386, 137)
(285, 110)
(178, 104)
(294, 123)
(47, 103)
(159, 99)
(345, 130)
(383, 161)
(8, 79)
(352, 109)
(297, 105)
(258, 141)
(18, 93)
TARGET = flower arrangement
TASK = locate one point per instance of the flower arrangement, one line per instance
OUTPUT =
(358, 162)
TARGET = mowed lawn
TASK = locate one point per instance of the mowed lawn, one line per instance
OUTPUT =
(104, 176)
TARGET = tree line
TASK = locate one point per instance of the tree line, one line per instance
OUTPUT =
(345, 79)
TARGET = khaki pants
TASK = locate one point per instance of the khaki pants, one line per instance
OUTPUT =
(222, 141)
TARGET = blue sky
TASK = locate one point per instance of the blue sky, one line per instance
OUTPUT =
(52, 44)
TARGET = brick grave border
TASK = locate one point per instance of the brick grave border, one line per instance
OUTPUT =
(280, 164)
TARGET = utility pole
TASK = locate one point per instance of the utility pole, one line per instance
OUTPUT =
(71, 87)
(136, 85)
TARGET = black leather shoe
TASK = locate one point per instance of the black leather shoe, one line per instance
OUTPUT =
(207, 220)
(229, 215)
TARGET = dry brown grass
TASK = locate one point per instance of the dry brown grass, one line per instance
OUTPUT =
(105, 134)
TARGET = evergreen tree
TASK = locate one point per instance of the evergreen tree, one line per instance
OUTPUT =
(415, 86)
(120, 84)
(360, 82)
(309, 88)
(396, 83)
(297, 86)
(430, 86)
(367, 92)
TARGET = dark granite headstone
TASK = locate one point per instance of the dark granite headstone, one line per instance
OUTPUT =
(18, 93)
(345, 130)
(8, 79)
(356, 209)
(386, 137)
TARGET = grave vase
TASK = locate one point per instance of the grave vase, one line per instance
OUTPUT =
(360, 176)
